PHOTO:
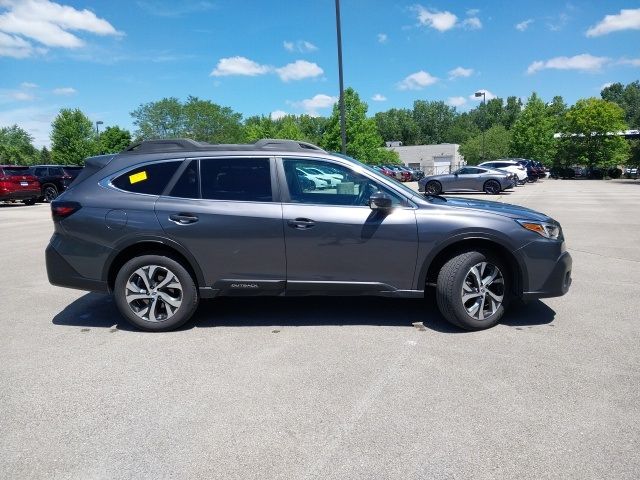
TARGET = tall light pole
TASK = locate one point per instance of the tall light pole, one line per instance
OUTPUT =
(99, 122)
(483, 94)
(343, 131)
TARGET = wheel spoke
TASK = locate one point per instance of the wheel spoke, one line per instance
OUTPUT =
(168, 299)
(489, 279)
(481, 309)
(469, 296)
(152, 310)
(143, 276)
(494, 296)
(137, 296)
(476, 276)
(169, 278)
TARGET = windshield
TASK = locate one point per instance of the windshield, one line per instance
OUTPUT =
(377, 174)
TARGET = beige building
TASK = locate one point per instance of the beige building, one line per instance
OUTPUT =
(432, 159)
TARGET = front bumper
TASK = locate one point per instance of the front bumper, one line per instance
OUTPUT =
(549, 269)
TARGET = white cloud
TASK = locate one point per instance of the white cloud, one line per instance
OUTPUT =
(584, 62)
(627, 19)
(522, 26)
(460, 72)
(456, 101)
(21, 96)
(28, 85)
(64, 91)
(605, 85)
(302, 46)
(278, 114)
(16, 47)
(472, 12)
(634, 62)
(299, 70)
(312, 105)
(382, 38)
(378, 97)
(488, 95)
(472, 23)
(238, 66)
(48, 23)
(441, 21)
(417, 81)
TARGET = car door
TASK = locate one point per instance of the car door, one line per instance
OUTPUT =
(226, 212)
(335, 242)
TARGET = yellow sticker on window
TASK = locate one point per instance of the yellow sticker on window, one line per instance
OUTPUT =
(138, 177)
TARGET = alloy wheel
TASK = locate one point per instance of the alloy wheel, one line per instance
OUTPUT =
(50, 194)
(483, 290)
(153, 293)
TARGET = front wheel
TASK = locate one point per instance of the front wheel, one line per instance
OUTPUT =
(155, 293)
(472, 289)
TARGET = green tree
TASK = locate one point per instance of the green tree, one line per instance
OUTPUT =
(434, 120)
(198, 119)
(586, 134)
(288, 128)
(462, 129)
(208, 122)
(113, 140)
(627, 97)
(161, 119)
(363, 140)
(45, 156)
(72, 137)
(16, 146)
(511, 112)
(313, 128)
(496, 145)
(398, 124)
(258, 127)
(532, 134)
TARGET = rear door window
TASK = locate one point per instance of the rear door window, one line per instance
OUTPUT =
(187, 185)
(245, 179)
(16, 171)
(149, 179)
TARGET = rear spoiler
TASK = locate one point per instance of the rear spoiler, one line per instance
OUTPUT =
(92, 165)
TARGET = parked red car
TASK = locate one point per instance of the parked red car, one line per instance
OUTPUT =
(17, 183)
(385, 171)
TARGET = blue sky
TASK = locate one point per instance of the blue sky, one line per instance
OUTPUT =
(277, 57)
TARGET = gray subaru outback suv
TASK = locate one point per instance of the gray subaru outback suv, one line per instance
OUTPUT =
(168, 222)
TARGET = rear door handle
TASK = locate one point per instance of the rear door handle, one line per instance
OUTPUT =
(183, 218)
(301, 223)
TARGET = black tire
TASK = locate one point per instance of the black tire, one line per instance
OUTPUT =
(29, 201)
(188, 302)
(492, 187)
(433, 187)
(450, 287)
(49, 193)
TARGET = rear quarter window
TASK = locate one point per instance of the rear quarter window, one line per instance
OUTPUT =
(149, 179)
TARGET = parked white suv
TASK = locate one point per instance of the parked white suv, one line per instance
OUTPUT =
(510, 166)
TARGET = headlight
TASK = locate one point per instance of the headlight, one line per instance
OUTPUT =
(546, 229)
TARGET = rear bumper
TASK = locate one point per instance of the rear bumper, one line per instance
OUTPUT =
(555, 282)
(18, 194)
(62, 274)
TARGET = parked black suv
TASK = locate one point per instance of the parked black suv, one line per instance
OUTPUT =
(169, 222)
(54, 179)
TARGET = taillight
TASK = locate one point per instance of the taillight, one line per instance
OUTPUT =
(66, 176)
(60, 210)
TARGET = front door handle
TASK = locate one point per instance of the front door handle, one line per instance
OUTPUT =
(301, 223)
(183, 218)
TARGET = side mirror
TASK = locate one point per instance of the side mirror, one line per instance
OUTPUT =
(380, 201)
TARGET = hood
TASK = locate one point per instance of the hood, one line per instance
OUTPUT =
(499, 208)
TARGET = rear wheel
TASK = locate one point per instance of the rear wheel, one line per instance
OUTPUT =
(492, 187)
(471, 290)
(50, 193)
(433, 187)
(155, 293)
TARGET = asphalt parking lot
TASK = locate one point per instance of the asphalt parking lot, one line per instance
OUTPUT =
(331, 388)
